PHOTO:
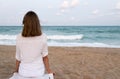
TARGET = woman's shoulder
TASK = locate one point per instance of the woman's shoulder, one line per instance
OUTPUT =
(44, 35)
(18, 37)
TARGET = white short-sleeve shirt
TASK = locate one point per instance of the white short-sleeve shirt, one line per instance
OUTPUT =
(30, 51)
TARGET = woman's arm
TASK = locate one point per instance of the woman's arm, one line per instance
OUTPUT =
(46, 63)
(17, 65)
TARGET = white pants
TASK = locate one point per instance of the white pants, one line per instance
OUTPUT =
(46, 76)
(33, 69)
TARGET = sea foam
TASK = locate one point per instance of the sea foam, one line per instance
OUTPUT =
(50, 37)
(7, 37)
(65, 37)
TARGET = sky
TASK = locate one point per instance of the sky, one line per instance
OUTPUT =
(62, 12)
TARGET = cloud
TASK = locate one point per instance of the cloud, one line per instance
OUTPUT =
(69, 4)
(118, 6)
(74, 3)
(95, 12)
(65, 4)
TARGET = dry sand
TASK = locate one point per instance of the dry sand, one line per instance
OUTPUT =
(71, 62)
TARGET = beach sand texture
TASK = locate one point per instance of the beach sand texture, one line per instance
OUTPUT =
(71, 62)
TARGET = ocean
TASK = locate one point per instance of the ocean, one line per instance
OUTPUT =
(69, 36)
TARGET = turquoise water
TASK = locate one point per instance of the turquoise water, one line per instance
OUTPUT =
(91, 36)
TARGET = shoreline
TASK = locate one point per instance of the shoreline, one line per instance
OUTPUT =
(76, 46)
(71, 62)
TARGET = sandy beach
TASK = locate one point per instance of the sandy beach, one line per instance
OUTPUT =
(71, 62)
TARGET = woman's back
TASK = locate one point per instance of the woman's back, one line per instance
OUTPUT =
(31, 48)
(30, 51)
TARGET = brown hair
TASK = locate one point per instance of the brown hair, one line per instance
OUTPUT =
(31, 24)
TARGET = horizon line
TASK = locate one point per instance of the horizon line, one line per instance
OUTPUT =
(62, 25)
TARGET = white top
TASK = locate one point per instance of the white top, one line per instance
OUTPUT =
(30, 51)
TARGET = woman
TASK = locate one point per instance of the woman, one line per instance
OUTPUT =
(31, 50)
